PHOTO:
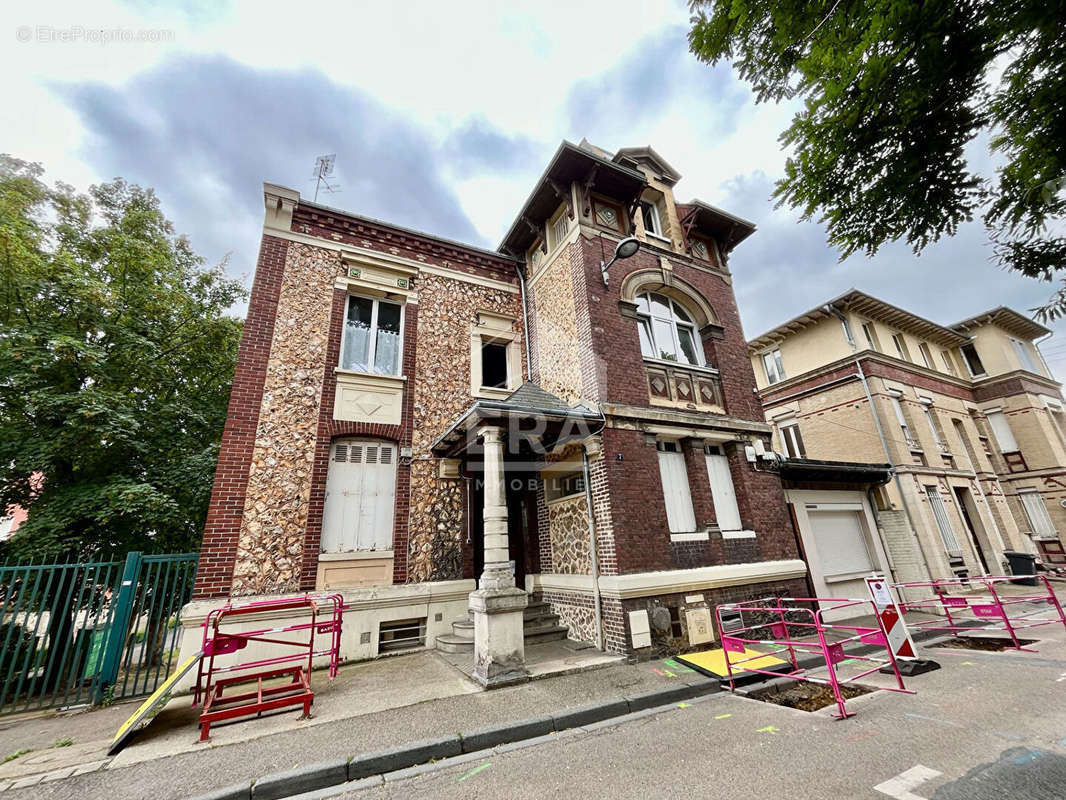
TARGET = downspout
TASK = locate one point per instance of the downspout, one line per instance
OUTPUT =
(525, 320)
(594, 558)
(884, 446)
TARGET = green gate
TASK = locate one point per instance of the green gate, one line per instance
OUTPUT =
(90, 632)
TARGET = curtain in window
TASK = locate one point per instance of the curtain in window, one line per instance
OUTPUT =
(387, 345)
(357, 334)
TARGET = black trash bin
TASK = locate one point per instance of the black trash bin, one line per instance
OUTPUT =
(1022, 564)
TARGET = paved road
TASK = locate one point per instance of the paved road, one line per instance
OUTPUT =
(988, 726)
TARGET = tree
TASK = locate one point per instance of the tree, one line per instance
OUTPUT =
(893, 92)
(117, 351)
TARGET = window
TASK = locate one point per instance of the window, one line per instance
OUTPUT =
(1021, 349)
(667, 332)
(973, 361)
(792, 441)
(902, 419)
(560, 226)
(1001, 430)
(372, 336)
(943, 523)
(700, 248)
(927, 357)
(607, 215)
(871, 336)
(494, 365)
(1036, 511)
(929, 418)
(949, 364)
(360, 495)
(726, 510)
(564, 484)
(674, 475)
(774, 367)
(901, 346)
(847, 331)
(649, 212)
(960, 431)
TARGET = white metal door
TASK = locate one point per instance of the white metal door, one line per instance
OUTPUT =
(360, 495)
(843, 555)
(724, 495)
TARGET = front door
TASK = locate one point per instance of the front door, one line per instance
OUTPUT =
(963, 495)
(360, 496)
(521, 522)
(843, 553)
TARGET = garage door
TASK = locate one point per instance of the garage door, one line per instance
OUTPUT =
(360, 495)
(842, 552)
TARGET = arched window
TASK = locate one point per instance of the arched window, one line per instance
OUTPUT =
(667, 331)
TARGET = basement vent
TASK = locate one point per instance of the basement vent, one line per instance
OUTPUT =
(401, 634)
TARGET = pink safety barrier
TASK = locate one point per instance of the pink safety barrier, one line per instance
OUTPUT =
(218, 642)
(797, 624)
(955, 601)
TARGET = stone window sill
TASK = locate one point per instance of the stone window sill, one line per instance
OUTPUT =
(738, 534)
(356, 555)
(691, 536)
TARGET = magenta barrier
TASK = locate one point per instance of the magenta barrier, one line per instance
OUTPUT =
(964, 606)
(804, 615)
(218, 642)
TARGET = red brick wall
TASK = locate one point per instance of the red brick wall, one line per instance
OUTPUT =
(218, 551)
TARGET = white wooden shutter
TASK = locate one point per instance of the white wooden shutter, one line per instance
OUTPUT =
(726, 510)
(1035, 509)
(360, 495)
(674, 476)
(1001, 428)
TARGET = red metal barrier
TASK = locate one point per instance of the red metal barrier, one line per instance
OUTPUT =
(796, 624)
(218, 704)
(955, 601)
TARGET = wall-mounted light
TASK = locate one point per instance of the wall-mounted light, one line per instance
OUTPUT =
(627, 248)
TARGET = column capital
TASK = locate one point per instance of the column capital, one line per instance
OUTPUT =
(490, 434)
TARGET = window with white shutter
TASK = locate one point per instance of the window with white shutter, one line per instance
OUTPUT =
(674, 476)
(943, 522)
(360, 496)
(1036, 511)
(724, 495)
(1001, 430)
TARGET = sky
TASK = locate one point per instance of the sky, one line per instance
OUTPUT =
(442, 116)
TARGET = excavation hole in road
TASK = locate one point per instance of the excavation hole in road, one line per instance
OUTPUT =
(989, 644)
(806, 696)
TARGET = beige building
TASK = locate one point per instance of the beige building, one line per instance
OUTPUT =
(968, 416)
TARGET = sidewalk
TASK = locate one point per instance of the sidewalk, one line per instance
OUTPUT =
(370, 706)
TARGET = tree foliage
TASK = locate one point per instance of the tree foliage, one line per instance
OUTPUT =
(116, 356)
(893, 92)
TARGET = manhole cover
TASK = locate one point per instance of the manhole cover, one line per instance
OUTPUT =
(806, 696)
(989, 644)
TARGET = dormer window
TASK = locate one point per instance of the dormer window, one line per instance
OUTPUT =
(607, 215)
(700, 249)
(667, 332)
(649, 212)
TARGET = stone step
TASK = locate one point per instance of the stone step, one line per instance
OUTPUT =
(545, 633)
(454, 644)
(464, 629)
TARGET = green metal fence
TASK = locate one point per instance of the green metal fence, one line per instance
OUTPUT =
(89, 632)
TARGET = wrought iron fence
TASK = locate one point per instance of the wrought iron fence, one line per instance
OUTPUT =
(89, 632)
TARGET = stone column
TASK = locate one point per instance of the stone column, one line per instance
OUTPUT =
(497, 605)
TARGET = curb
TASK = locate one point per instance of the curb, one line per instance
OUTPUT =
(369, 768)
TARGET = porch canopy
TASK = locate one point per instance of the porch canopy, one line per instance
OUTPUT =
(531, 420)
(807, 470)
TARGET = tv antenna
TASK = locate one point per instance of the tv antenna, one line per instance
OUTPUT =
(323, 171)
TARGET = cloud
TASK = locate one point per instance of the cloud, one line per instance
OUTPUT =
(477, 146)
(206, 132)
(647, 82)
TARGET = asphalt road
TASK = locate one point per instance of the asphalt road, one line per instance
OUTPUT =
(986, 726)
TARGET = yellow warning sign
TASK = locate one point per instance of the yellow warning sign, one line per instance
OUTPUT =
(713, 661)
(158, 697)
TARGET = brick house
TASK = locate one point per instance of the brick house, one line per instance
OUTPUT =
(967, 415)
(422, 425)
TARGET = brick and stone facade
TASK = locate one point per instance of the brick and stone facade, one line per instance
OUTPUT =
(647, 411)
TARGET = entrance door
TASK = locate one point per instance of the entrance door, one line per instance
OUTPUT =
(965, 502)
(360, 496)
(521, 521)
(843, 553)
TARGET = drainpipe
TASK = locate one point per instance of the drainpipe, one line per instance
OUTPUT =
(525, 319)
(594, 558)
(884, 446)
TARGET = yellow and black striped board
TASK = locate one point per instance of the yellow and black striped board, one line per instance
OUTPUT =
(147, 710)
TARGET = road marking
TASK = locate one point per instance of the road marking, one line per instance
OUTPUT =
(858, 737)
(900, 786)
(1061, 678)
(727, 716)
(933, 719)
(475, 771)
(684, 705)
(767, 729)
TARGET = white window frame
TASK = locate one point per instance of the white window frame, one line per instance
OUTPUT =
(555, 235)
(949, 363)
(943, 521)
(1001, 431)
(871, 336)
(372, 349)
(1025, 357)
(648, 318)
(680, 515)
(792, 439)
(656, 231)
(723, 491)
(773, 366)
(901, 347)
(1042, 526)
(901, 418)
(966, 361)
(848, 336)
(927, 409)
(926, 354)
(377, 521)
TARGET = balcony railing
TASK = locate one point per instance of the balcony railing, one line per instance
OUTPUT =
(684, 386)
